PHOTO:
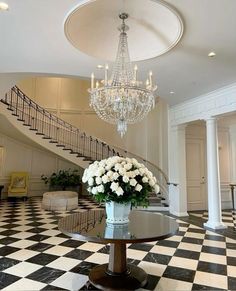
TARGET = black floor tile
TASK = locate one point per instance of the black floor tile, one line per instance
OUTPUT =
(168, 243)
(7, 279)
(179, 274)
(212, 268)
(42, 259)
(79, 254)
(231, 261)
(39, 247)
(206, 288)
(192, 240)
(196, 230)
(231, 246)
(157, 258)
(83, 268)
(72, 243)
(187, 254)
(9, 232)
(232, 283)
(105, 250)
(46, 275)
(213, 250)
(37, 230)
(6, 263)
(52, 288)
(151, 282)
(215, 237)
(7, 250)
(38, 237)
(8, 240)
(141, 247)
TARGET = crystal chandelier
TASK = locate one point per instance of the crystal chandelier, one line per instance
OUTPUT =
(122, 99)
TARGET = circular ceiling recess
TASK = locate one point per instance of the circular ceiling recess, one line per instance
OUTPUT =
(154, 28)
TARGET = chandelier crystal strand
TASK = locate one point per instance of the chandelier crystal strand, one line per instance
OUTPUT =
(122, 99)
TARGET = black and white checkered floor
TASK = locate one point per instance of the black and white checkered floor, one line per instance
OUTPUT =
(34, 255)
(228, 216)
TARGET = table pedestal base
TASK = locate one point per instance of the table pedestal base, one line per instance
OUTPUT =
(134, 278)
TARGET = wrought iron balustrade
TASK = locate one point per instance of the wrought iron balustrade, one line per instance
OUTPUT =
(67, 136)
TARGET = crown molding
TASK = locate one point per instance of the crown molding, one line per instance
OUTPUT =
(215, 103)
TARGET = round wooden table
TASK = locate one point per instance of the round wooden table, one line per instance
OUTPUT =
(143, 227)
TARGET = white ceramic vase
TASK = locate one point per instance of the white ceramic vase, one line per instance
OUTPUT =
(117, 213)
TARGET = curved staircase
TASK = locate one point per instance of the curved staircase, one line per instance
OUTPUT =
(69, 142)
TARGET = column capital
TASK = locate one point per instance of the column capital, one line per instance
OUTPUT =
(211, 119)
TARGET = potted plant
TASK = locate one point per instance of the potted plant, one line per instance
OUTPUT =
(63, 180)
(120, 183)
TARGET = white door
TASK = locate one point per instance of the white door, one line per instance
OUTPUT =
(195, 166)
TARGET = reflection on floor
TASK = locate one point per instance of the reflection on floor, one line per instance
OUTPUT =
(34, 255)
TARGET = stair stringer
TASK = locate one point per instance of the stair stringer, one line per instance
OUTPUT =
(79, 161)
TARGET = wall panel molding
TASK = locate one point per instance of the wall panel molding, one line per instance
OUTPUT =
(18, 156)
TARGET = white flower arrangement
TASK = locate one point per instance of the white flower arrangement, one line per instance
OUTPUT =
(121, 180)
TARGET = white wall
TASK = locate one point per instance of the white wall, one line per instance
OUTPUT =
(17, 156)
(69, 99)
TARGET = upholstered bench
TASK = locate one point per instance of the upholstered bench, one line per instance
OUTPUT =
(60, 200)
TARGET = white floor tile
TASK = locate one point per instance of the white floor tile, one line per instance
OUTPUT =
(23, 243)
(58, 250)
(63, 263)
(54, 240)
(98, 258)
(152, 268)
(190, 247)
(231, 271)
(135, 254)
(70, 281)
(183, 263)
(88, 246)
(22, 255)
(166, 284)
(214, 243)
(25, 284)
(163, 250)
(212, 258)
(211, 280)
(23, 235)
(22, 269)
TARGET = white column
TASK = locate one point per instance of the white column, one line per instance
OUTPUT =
(213, 177)
(232, 134)
(177, 171)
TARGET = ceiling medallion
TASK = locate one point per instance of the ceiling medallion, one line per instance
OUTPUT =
(122, 99)
(155, 28)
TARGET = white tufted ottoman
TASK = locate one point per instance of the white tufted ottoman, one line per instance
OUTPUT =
(60, 200)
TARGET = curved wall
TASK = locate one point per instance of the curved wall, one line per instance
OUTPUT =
(68, 98)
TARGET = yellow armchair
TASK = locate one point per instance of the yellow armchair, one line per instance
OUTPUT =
(18, 185)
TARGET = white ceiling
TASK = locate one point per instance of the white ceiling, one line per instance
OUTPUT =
(32, 40)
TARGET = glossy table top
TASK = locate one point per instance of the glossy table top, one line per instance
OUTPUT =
(143, 226)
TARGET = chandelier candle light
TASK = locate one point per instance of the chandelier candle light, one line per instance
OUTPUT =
(122, 99)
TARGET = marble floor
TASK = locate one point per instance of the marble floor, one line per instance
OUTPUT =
(34, 255)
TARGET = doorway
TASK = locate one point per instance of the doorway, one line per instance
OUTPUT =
(196, 174)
